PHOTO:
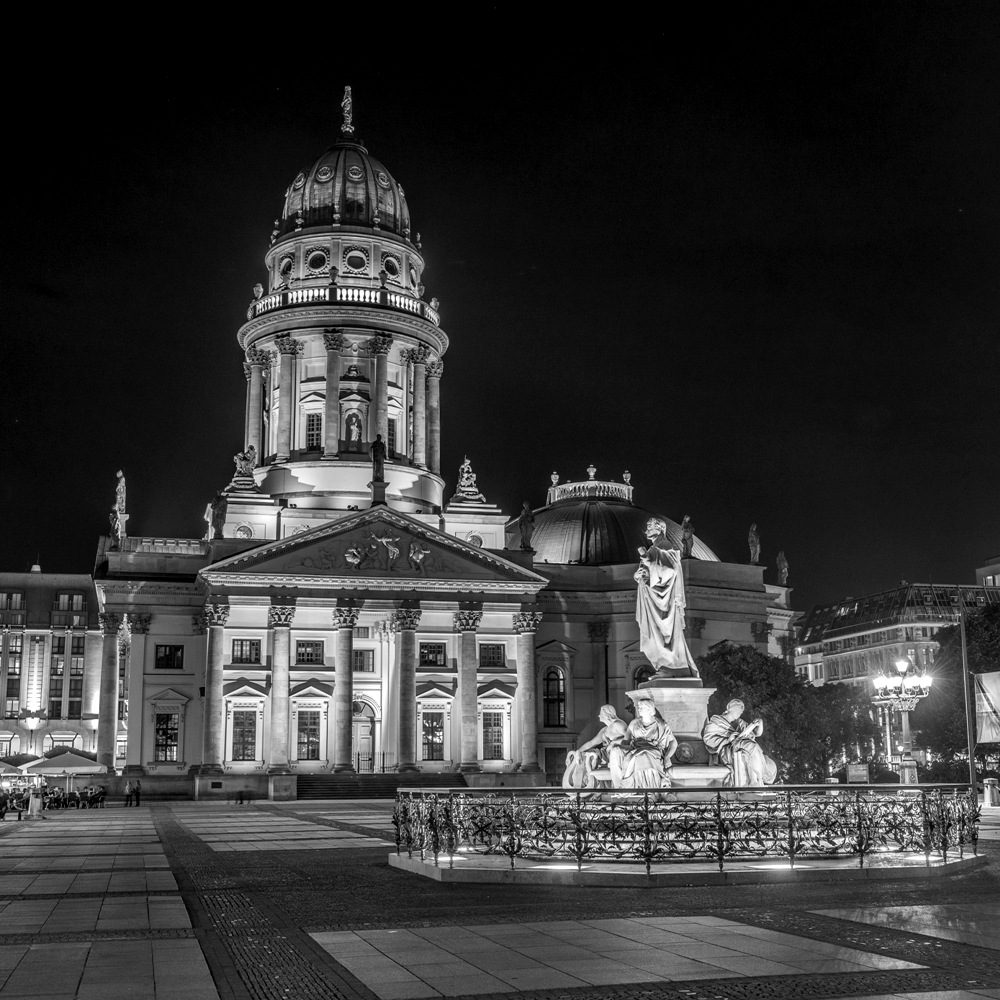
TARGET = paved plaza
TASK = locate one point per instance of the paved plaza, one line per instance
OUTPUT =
(203, 901)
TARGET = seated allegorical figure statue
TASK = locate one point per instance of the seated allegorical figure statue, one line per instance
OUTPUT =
(586, 766)
(642, 758)
(735, 741)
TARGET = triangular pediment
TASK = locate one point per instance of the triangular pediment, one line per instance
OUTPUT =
(555, 646)
(245, 689)
(379, 548)
(168, 694)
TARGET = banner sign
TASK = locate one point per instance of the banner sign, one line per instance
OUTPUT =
(987, 708)
(858, 773)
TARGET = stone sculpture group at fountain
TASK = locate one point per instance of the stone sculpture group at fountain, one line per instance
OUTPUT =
(640, 755)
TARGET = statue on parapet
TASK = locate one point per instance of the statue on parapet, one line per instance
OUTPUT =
(246, 462)
(660, 604)
(735, 743)
(643, 758)
(753, 540)
(687, 538)
(782, 562)
(467, 491)
(377, 452)
(526, 524)
(117, 532)
(218, 507)
(120, 492)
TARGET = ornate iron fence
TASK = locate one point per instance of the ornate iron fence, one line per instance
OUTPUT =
(794, 822)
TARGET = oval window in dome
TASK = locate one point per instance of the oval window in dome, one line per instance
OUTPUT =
(391, 266)
(299, 181)
(317, 260)
(383, 178)
(324, 173)
(285, 267)
(355, 173)
(356, 260)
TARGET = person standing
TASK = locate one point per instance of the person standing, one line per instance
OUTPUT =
(138, 791)
(129, 792)
(4, 802)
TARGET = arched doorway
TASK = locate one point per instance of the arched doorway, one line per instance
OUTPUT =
(363, 738)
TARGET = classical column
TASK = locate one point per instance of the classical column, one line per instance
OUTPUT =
(525, 624)
(344, 620)
(335, 342)
(139, 625)
(434, 372)
(288, 349)
(257, 360)
(466, 623)
(419, 358)
(378, 348)
(597, 633)
(406, 621)
(213, 722)
(279, 621)
(107, 719)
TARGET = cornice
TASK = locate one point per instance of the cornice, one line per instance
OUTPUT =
(373, 318)
(409, 585)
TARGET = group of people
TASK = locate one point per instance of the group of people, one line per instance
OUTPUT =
(133, 792)
(36, 799)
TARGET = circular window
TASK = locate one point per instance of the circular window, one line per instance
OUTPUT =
(356, 260)
(317, 260)
(355, 173)
(299, 181)
(324, 173)
(285, 268)
(391, 266)
(476, 540)
(383, 178)
(243, 531)
(413, 276)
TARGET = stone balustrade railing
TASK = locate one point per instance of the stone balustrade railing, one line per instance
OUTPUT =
(384, 297)
(590, 488)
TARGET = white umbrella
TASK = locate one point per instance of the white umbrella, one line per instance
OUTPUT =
(63, 764)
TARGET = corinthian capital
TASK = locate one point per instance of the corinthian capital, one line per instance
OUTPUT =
(527, 621)
(288, 345)
(406, 619)
(139, 624)
(334, 340)
(110, 623)
(435, 369)
(417, 355)
(246, 371)
(280, 616)
(467, 621)
(216, 614)
(255, 356)
(379, 344)
(345, 617)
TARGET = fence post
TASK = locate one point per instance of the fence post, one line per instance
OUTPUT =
(718, 827)
(791, 830)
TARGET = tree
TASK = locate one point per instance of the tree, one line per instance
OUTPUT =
(807, 730)
(939, 720)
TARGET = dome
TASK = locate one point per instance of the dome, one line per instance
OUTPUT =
(595, 523)
(345, 187)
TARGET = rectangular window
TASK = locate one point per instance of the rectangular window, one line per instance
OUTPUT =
(390, 446)
(433, 735)
(492, 654)
(5, 746)
(77, 645)
(244, 735)
(492, 735)
(362, 631)
(432, 654)
(364, 661)
(12, 706)
(75, 707)
(314, 431)
(16, 602)
(120, 747)
(308, 651)
(246, 651)
(165, 736)
(308, 736)
(169, 658)
(58, 645)
(55, 708)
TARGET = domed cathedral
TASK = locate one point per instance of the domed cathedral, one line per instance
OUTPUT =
(343, 614)
(585, 541)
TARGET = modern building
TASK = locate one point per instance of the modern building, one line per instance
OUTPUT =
(989, 574)
(333, 621)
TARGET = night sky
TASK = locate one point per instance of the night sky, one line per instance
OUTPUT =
(754, 260)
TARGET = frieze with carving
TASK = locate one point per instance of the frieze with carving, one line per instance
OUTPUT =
(139, 624)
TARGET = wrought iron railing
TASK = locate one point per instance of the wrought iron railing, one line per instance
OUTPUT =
(375, 763)
(794, 822)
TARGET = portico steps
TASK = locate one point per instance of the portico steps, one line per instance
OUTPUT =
(371, 786)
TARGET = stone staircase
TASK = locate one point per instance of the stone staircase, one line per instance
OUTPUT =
(371, 786)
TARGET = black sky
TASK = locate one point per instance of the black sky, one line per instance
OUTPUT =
(753, 258)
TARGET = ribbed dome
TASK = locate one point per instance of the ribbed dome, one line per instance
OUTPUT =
(596, 532)
(346, 186)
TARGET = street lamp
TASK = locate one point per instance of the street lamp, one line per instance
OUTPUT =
(900, 692)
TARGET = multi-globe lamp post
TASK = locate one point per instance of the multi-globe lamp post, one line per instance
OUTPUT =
(900, 692)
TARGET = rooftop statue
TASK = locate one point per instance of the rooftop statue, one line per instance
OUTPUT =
(245, 463)
(660, 605)
(642, 758)
(753, 540)
(377, 452)
(782, 569)
(116, 529)
(735, 741)
(120, 492)
(526, 524)
(467, 491)
(687, 538)
(347, 106)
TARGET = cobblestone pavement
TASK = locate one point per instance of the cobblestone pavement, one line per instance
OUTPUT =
(207, 901)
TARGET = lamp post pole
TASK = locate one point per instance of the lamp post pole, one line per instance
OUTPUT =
(901, 693)
(969, 734)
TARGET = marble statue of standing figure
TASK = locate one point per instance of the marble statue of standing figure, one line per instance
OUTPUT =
(660, 605)
(120, 492)
(594, 755)
(642, 758)
(687, 538)
(377, 452)
(782, 569)
(116, 528)
(735, 741)
(526, 524)
(753, 540)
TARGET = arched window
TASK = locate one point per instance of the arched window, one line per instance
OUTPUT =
(554, 697)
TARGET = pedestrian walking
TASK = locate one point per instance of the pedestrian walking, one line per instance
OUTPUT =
(129, 792)
(138, 791)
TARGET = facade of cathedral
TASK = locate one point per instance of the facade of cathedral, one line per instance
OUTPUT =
(343, 614)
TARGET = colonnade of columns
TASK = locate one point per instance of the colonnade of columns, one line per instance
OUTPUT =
(426, 397)
(405, 621)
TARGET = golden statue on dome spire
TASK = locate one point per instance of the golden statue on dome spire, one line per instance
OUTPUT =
(347, 106)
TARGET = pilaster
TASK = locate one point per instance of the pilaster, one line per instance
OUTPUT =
(466, 624)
